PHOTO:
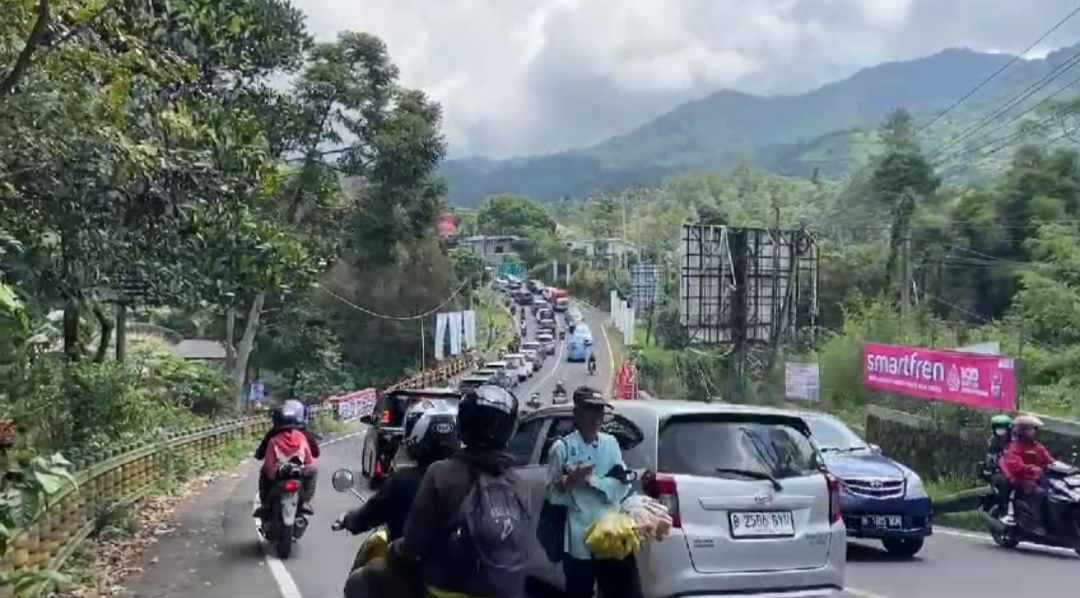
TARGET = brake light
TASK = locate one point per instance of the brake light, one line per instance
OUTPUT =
(834, 498)
(291, 485)
(386, 417)
(663, 488)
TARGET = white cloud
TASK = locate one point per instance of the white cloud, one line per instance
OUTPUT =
(526, 76)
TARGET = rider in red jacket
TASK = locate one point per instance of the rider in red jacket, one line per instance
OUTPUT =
(1025, 459)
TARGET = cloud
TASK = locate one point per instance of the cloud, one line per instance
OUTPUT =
(519, 77)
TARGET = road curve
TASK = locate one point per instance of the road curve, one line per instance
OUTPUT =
(322, 558)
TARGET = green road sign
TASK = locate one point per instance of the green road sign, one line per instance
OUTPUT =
(512, 268)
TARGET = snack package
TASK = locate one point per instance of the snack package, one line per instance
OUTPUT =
(613, 536)
(649, 515)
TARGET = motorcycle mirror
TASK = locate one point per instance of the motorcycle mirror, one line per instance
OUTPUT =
(875, 448)
(342, 481)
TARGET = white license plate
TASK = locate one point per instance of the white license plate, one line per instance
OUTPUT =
(761, 524)
(883, 521)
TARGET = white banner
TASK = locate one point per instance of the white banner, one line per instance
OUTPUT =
(440, 335)
(354, 405)
(468, 324)
(802, 381)
(454, 318)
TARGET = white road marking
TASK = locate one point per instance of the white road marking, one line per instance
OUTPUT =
(861, 593)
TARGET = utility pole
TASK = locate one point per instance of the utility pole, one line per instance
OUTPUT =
(905, 285)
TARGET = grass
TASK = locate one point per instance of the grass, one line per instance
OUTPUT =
(946, 487)
(494, 323)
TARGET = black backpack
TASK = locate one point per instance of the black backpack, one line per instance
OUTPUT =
(490, 543)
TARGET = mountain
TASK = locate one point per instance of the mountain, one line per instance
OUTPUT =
(830, 129)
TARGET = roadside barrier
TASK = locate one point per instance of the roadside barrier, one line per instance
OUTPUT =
(121, 475)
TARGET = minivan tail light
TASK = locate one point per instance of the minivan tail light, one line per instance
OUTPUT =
(663, 488)
(386, 417)
(834, 498)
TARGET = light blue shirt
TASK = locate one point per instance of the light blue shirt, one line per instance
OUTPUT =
(588, 502)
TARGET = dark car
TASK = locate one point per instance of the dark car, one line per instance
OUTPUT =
(386, 428)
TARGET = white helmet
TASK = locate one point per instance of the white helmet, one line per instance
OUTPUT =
(1027, 421)
(431, 430)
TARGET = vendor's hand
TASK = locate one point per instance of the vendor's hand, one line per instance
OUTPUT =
(339, 523)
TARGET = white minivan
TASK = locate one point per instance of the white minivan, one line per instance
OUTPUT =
(518, 365)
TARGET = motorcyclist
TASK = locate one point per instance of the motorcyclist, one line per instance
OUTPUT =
(1000, 437)
(560, 388)
(289, 437)
(487, 420)
(592, 362)
(1025, 461)
(430, 436)
(534, 399)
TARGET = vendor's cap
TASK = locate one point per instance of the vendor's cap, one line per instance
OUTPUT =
(587, 396)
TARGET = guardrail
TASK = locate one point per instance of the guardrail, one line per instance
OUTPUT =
(123, 474)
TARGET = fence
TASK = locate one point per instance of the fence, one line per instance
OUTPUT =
(123, 474)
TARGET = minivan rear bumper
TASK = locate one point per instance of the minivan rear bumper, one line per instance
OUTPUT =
(667, 572)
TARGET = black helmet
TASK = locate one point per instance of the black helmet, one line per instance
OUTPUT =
(487, 417)
(586, 397)
(430, 431)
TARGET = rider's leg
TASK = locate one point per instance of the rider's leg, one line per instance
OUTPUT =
(307, 500)
(264, 489)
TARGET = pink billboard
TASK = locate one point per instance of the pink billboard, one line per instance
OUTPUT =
(987, 381)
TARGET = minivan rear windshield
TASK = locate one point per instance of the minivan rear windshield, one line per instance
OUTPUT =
(723, 445)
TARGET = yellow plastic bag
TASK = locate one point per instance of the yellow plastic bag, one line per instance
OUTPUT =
(373, 547)
(613, 536)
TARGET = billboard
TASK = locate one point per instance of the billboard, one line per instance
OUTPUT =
(746, 285)
(985, 381)
(645, 287)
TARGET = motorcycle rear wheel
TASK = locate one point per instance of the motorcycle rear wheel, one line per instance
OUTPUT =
(284, 545)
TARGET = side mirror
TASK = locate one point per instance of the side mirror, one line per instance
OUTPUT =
(876, 449)
(365, 419)
(343, 480)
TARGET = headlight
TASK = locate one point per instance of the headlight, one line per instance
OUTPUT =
(915, 486)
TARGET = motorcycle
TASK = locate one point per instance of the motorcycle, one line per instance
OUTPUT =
(592, 368)
(377, 542)
(282, 524)
(534, 401)
(558, 398)
(1057, 523)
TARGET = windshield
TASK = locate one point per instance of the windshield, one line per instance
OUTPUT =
(755, 445)
(833, 435)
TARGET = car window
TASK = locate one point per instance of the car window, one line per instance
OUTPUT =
(524, 441)
(625, 432)
(833, 435)
(758, 444)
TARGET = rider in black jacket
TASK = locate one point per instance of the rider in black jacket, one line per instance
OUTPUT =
(430, 436)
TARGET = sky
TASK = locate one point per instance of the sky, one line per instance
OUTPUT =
(525, 77)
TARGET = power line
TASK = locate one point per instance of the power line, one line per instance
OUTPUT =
(396, 318)
(1003, 68)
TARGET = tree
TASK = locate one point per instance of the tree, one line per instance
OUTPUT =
(512, 215)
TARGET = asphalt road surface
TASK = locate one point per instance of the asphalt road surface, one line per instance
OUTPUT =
(952, 565)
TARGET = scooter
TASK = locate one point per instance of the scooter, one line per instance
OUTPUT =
(534, 401)
(558, 398)
(592, 368)
(1058, 524)
(377, 542)
(282, 524)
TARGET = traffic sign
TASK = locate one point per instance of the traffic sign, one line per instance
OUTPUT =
(512, 268)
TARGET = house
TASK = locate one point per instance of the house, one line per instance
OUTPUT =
(601, 249)
(494, 249)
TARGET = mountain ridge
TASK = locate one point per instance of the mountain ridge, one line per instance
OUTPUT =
(830, 129)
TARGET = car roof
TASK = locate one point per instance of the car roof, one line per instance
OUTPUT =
(495, 364)
(665, 408)
(510, 355)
